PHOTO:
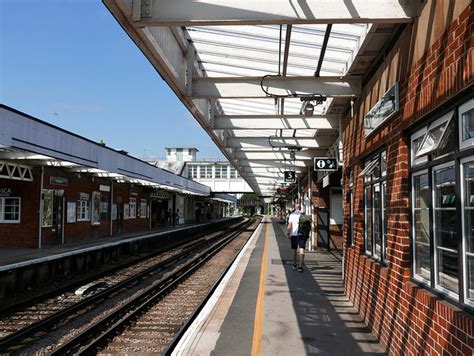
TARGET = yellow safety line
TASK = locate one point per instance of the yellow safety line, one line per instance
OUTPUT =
(258, 322)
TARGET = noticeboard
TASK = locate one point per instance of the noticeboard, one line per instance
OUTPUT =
(325, 164)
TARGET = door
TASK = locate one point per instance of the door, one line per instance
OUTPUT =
(57, 228)
(323, 228)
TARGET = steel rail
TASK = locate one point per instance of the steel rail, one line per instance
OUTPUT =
(9, 309)
(47, 322)
(196, 312)
(139, 304)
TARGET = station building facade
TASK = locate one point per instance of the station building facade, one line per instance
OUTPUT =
(408, 187)
(57, 187)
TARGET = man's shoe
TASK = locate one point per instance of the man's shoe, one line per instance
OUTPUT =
(294, 266)
(300, 269)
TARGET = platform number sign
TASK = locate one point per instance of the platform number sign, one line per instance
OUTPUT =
(325, 164)
(290, 176)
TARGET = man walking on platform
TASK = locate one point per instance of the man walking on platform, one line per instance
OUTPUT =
(297, 240)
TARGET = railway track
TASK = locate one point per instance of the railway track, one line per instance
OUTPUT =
(151, 320)
(27, 321)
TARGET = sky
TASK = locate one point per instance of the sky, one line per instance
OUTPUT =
(68, 62)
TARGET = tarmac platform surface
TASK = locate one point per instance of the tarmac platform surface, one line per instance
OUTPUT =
(265, 307)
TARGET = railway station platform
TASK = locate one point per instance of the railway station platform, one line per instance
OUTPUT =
(34, 269)
(14, 257)
(263, 306)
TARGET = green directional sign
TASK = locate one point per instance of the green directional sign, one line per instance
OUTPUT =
(290, 176)
(325, 164)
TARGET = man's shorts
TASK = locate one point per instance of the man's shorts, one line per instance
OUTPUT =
(298, 241)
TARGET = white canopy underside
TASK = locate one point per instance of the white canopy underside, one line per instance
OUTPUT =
(237, 44)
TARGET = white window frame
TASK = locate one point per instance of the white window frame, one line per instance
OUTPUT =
(468, 301)
(2, 211)
(433, 217)
(132, 212)
(143, 208)
(417, 160)
(415, 276)
(87, 210)
(369, 168)
(443, 120)
(462, 109)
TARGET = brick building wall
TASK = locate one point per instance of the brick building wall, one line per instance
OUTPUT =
(25, 233)
(433, 64)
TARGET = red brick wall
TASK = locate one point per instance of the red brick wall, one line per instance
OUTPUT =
(24, 234)
(407, 318)
(122, 192)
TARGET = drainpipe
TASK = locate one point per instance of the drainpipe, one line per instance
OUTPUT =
(41, 208)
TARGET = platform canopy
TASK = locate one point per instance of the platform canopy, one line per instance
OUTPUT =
(268, 80)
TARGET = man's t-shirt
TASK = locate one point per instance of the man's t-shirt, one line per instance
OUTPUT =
(294, 219)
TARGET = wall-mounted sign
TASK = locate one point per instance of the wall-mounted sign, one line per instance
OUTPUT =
(383, 110)
(84, 196)
(290, 176)
(8, 192)
(71, 212)
(58, 181)
(325, 164)
(104, 188)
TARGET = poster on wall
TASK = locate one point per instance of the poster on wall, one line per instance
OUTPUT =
(126, 211)
(48, 195)
(104, 207)
(95, 218)
(114, 211)
(71, 212)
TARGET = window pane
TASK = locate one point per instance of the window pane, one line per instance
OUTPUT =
(11, 209)
(448, 272)
(422, 244)
(377, 220)
(217, 171)
(445, 228)
(421, 226)
(444, 185)
(383, 164)
(368, 219)
(422, 191)
(432, 138)
(351, 227)
(385, 218)
(468, 125)
(470, 277)
(202, 172)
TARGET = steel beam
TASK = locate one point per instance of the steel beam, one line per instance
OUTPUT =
(249, 12)
(274, 122)
(278, 156)
(276, 169)
(251, 87)
(256, 142)
(271, 164)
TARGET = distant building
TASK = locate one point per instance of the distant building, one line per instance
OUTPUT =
(181, 154)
